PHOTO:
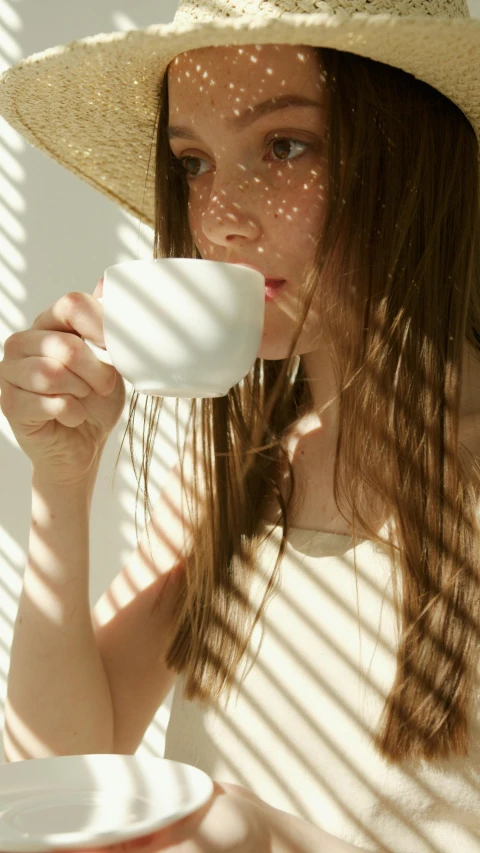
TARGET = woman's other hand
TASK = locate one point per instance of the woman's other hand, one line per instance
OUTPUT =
(233, 820)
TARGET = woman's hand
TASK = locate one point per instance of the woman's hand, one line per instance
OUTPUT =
(60, 400)
(232, 821)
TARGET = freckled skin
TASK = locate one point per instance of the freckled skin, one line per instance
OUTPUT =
(262, 203)
(250, 200)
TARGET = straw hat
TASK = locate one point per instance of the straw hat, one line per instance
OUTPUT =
(91, 105)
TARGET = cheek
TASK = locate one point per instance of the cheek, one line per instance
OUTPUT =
(191, 213)
(299, 206)
(196, 212)
(194, 224)
(295, 203)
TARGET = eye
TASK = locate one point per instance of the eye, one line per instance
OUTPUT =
(180, 163)
(287, 143)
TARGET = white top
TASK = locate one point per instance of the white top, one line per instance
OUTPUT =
(298, 735)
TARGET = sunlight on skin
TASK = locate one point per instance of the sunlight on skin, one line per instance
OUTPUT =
(260, 201)
(257, 193)
(234, 819)
(257, 196)
(20, 741)
(170, 535)
(40, 591)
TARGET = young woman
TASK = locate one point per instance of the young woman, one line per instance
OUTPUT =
(310, 577)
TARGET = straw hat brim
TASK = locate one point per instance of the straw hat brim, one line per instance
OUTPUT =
(91, 105)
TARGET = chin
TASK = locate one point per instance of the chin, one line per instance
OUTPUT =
(276, 341)
(272, 352)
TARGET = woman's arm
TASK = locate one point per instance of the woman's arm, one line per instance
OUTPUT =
(58, 696)
(234, 821)
(290, 834)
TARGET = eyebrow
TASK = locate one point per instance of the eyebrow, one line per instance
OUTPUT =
(251, 114)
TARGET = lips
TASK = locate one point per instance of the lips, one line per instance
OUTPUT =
(273, 287)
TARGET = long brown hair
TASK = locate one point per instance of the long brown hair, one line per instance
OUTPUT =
(398, 263)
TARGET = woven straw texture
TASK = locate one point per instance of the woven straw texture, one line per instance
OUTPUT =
(91, 105)
(198, 10)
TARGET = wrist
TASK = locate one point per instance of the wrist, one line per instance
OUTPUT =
(48, 477)
(291, 834)
(54, 492)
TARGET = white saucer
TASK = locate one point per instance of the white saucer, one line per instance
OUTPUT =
(93, 800)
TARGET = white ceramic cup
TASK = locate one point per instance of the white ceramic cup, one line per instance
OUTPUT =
(182, 327)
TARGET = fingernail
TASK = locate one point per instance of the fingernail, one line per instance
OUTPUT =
(144, 841)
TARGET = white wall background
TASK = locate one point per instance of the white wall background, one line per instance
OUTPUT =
(56, 235)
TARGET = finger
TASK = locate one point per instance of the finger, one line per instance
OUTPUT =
(34, 410)
(122, 847)
(140, 843)
(74, 312)
(47, 376)
(133, 844)
(61, 351)
(98, 292)
(163, 839)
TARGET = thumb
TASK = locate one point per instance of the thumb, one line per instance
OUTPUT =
(98, 292)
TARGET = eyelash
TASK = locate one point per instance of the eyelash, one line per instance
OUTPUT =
(179, 161)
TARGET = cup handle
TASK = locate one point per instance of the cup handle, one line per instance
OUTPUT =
(101, 353)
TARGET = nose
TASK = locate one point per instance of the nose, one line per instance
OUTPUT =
(231, 214)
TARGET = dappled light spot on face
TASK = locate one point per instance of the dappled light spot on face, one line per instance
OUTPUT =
(247, 129)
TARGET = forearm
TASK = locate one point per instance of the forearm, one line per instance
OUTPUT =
(58, 697)
(290, 834)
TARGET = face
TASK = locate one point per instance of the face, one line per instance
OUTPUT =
(256, 179)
